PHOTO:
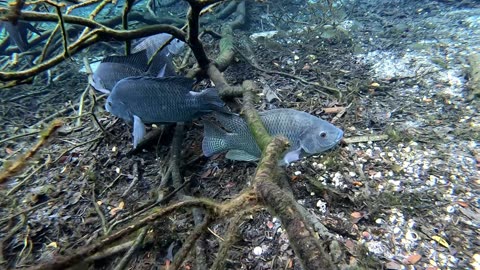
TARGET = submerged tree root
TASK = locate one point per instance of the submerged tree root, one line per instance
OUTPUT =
(20, 163)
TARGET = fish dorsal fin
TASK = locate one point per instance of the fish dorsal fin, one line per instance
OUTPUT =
(182, 83)
(161, 73)
(137, 60)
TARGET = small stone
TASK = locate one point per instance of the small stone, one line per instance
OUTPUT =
(257, 251)
(322, 206)
(411, 236)
(366, 235)
(297, 173)
(379, 221)
(393, 219)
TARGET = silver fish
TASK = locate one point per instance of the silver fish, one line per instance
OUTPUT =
(114, 68)
(159, 100)
(152, 43)
(307, 135)
(18, 33)
(164, 57)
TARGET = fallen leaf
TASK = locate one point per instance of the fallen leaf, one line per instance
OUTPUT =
(463, 204)
(121, 205)
(427, 100)
(357, 183)
(270, 224)
(356, 215)
(350, 245)
(441, 241)
(366, 235)
(114, 210)
(306, 67)
(9, 150)
(412, 259)
(290, 263)
(393, 266)
(53, 244)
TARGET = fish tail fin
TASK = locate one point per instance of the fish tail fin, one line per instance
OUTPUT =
(215, 139)
(211, 98)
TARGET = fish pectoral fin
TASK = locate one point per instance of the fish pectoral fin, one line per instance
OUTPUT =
(292, 156)
(138, 130)
(161, 73)
(240, 155)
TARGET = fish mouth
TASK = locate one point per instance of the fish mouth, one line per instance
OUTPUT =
(339, 137)
(335, 142)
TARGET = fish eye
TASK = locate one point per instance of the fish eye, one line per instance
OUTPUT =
(323, 134)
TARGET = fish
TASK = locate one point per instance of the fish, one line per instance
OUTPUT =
(152, 43)
(306, 133)
(145, 100)
(114, 68)
(18, 33)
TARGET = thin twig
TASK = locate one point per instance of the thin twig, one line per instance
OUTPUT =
(136, 176)
(136, 245)
(190, 242)
(19, 136)
(21, 183)
(366, 138)
(76, 146)
(99, 212)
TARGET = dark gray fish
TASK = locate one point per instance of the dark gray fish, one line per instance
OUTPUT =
(159, 100)
(114, 68)
(307, 135)
(137, 60)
